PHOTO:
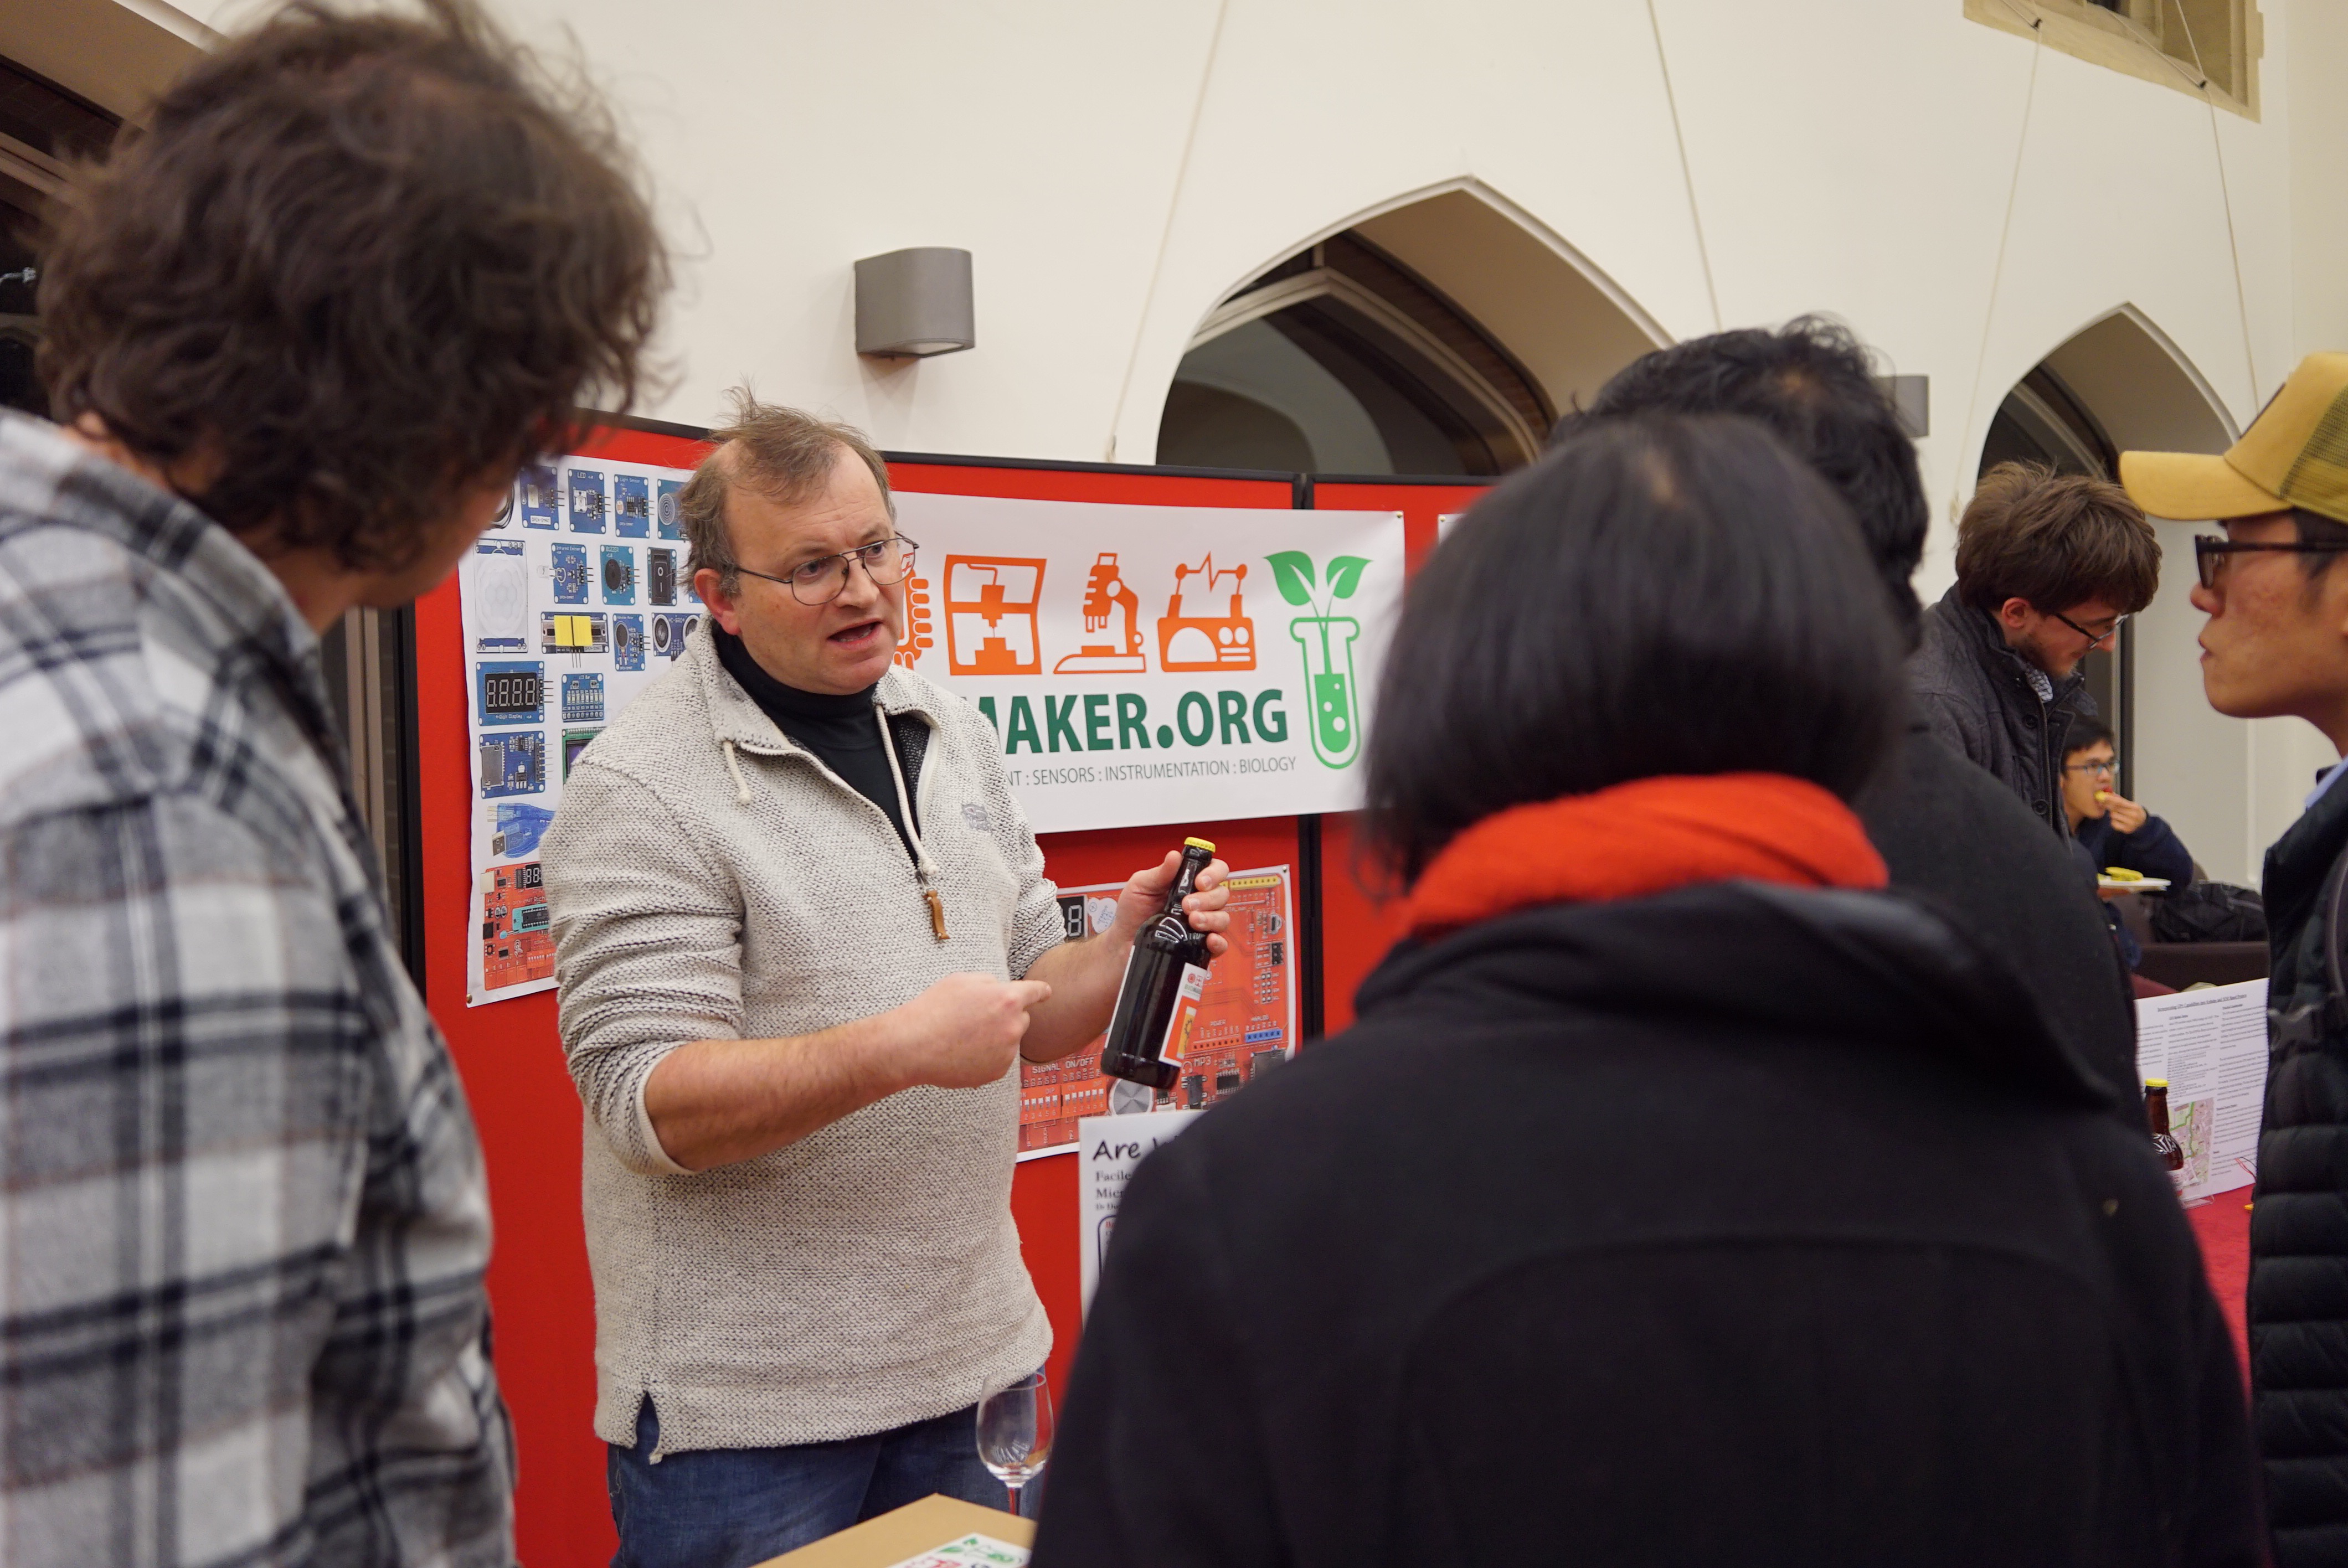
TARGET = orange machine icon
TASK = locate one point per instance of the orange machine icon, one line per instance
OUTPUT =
(1105, 589)
(918, 626)
(1206, 643)
(990, 608)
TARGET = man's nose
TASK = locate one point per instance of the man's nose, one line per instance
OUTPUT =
(859, 590)
(2204, 600)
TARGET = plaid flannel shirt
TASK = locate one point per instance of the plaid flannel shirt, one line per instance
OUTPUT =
(243, 1220)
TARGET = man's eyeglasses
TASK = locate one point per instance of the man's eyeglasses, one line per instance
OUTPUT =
(2210, 552)
(2107, 767)
(2095, 639)
(821, 580)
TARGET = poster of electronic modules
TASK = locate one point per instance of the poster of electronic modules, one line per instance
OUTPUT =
(1246, 1024)
(574, 602)
(1239, 686)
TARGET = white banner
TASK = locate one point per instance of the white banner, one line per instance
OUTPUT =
(1140, 664)
(1158, 664)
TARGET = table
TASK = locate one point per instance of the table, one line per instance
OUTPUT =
(907, 1531)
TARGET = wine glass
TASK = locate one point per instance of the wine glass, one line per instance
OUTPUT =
(1014, 1433)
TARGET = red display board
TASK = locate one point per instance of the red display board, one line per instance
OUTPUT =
(1358, 919)
(511, 1055)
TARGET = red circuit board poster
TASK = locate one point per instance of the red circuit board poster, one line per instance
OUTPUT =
(516, 939)
(1246, 1024)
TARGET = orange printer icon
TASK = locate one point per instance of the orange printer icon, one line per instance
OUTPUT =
(990, 605)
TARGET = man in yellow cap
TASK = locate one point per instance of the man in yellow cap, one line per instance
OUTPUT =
(2277, 643)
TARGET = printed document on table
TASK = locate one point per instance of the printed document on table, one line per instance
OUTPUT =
(2211, 1046)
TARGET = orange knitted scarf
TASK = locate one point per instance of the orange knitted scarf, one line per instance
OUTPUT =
(1642, 837)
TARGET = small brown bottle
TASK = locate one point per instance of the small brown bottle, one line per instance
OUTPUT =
(2155, 1115)
(1164, 977)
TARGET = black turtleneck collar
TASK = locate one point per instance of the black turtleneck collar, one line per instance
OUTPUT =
(777, 698)
(840, 730)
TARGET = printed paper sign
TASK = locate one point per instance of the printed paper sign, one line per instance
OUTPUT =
(1243, 1027)
(1111, 1149)
(2211, 1046)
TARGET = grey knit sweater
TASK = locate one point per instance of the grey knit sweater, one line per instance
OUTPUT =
(709, 878)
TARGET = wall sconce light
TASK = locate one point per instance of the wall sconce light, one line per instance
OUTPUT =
(913, 303)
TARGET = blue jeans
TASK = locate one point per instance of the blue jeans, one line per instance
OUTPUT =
(731, 1508)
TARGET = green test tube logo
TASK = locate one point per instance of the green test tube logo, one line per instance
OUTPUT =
(1326, 641)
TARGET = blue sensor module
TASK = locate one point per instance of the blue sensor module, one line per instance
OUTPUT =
(631, 506)
(569, 573)
(587, 503)
(510, 692)
(539, 496)
(513, 765)
(583, 699)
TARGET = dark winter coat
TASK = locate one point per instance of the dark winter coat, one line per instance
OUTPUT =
(1977, 694)
(2299, 1228)
(1955, 836)
(1733, 1225)
(2152, 850)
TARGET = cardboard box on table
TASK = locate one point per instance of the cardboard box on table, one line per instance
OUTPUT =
(907, 1533)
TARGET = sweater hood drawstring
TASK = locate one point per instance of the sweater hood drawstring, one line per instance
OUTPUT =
(741, 784)
(904, 802)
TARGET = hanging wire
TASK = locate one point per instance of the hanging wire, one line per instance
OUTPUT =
(1687, 174)
(1997, 272)
(2226, 195)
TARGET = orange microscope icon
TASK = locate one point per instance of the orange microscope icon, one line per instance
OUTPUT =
(1206, 643)
(991, 603)
(1105, 589)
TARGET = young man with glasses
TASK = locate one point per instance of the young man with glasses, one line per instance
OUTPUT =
(2275, 645)
(2114, 830)
(2048, 566)
(803, 938)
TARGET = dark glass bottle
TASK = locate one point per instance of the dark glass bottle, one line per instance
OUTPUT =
(2155, 1115)
(1164, 977)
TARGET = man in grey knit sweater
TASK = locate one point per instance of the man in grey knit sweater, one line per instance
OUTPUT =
(803, 938)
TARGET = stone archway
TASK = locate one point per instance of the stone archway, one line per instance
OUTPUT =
(1439, 335)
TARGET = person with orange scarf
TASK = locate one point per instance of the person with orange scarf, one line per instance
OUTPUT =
(1680, 1197)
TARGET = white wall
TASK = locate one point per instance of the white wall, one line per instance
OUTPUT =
(1967, 200)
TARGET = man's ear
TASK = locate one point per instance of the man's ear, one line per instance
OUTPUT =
(2015, 614)
(710, 584)
(2332, 589)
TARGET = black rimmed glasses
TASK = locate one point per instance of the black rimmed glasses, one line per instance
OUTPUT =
(819, 581)
(2210, 552)
(2109, 767)
(2095, 639)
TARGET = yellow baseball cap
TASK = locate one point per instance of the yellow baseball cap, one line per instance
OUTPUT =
(2295, 454)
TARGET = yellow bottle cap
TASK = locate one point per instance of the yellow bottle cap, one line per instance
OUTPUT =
(1197, 844)
(2156, 1083)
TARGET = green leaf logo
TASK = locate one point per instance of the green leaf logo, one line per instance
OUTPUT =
(1293, 570)
(1346, 576)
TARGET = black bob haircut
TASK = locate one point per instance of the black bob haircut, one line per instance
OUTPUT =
(1812, 383)
(2083, 732)
(1657, 595)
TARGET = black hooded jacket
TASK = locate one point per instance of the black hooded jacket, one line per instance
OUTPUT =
(1954, 836)
(1732, 1225)
(2299, 1228)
